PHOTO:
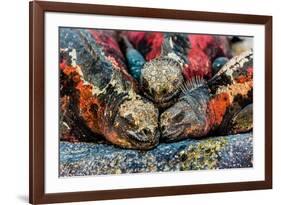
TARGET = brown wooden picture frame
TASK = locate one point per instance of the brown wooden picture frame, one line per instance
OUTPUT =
(37, 10)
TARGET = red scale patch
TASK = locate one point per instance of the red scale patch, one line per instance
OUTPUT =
(199, 64)
(217, 108)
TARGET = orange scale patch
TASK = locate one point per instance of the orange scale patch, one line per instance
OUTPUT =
(86, 99)
(86, 103)
(217, 108)
(245, 78)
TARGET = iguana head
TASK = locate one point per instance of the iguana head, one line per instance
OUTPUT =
(161, 79)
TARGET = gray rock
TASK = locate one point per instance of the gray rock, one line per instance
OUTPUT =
(233, 151)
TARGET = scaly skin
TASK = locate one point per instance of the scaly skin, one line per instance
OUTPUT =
(134, 58)
(204, 49)
(171, 57)
(161, 76)
(211, 107)
(96, 81)
(102, 90)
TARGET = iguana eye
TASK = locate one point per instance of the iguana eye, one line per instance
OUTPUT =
(179, 117)
(129, 119)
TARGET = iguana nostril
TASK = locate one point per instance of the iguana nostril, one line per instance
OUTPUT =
(146, 131)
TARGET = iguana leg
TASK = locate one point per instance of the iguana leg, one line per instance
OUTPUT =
(242, 121)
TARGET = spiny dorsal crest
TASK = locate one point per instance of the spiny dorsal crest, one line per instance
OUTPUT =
(192, 84)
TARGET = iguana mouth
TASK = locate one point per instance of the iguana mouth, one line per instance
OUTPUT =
(169, 136)
(142, 141)
(136, 121)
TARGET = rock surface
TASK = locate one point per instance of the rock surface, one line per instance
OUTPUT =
(233, 151)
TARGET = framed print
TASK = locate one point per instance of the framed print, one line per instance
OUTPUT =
(138, 102)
